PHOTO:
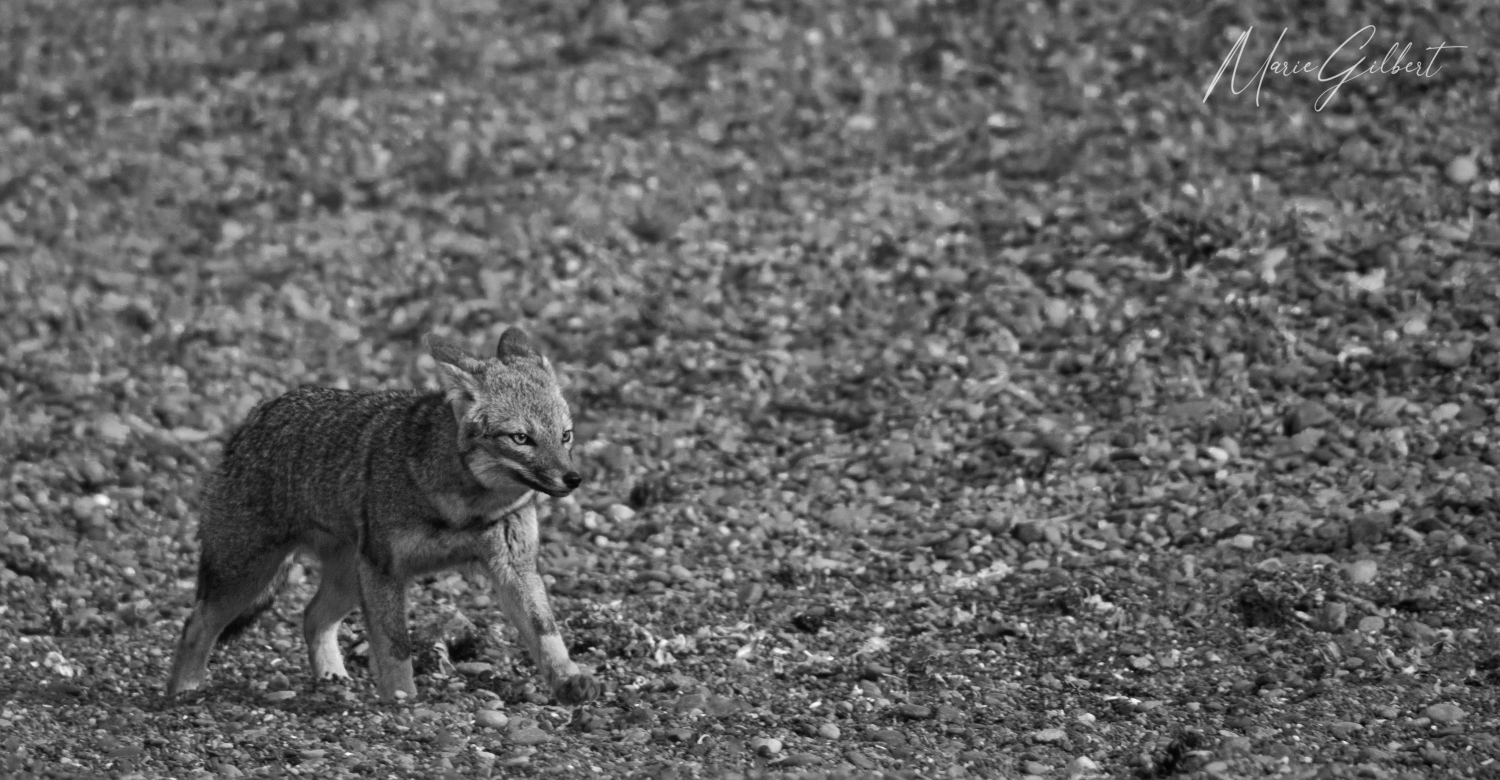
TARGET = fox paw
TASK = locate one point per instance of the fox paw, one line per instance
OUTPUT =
(578, 689)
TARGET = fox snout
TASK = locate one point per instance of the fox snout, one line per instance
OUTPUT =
(558, 486)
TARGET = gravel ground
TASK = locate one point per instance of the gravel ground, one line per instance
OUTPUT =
(959, 392)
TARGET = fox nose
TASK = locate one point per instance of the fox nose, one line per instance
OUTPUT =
(572, 479)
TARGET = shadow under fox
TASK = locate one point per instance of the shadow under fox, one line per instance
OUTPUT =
(383, 487)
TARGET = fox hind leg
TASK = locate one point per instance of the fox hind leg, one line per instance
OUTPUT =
(231, 593)
(337, 596)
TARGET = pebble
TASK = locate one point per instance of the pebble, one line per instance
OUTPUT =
(1463, 169)
(888, 736)
(1454, 356)
(529, 736)
(765, 746)
(801, 759)
(473, 668)
(829, 731)
(914, 711)
(859, 760)
(1363, 572)
(1371, 624)
(280, 695)
(491, 719)
(1344, 728)
(1049, 735)
(1035, 768)
(619, 513)
(1445, 713)
(1084, 765)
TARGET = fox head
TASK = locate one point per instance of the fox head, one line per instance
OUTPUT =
(513, 423)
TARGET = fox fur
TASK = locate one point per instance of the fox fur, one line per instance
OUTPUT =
(382, 487)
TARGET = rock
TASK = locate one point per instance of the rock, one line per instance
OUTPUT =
(1462, 169)
(1445, 712)
(491, 719)
(1343, 728)
(1370, 528)
(529, 736)
(473, 668)
(1363, 572)
(1452, 356)
(914, 711)
(765, 746)
(1029, 532)
(1331, 617)
(1371, 624)
(1083, 765)
(801, 759)
(619, 513)
(828, 731)
(1308, 414)
(1047, 736)
(888, 736)
(859, 760)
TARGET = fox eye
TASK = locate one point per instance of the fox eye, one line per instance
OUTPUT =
(567, 437)
(520, 438)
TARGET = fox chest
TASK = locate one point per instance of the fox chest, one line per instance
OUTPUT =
(505, 536)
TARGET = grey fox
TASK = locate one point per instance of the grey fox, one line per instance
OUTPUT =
(383, 487)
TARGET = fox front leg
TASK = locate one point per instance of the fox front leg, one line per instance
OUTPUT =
(523, 597)
(383, 598)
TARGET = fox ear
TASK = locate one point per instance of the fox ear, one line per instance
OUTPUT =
(456, 370)
(514, 344)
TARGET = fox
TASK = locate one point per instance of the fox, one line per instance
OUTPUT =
(381, 488)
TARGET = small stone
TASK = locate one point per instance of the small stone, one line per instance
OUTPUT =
(828, 731)
(1453, 356)
(529, 736)
(1035, 768)
(1463, 169)
(1371, 624)
(1343, 728)
(1085, 765)
(1046, 736)
(473, 668)
(914, 711)
(801, 759)
(1308, 414)
(1331, 617)
(859, 760)
(1243, 542)
(619, 513)
(1369, 528)
(280, 695)
(900, 453)
(948, 713)
(635, 737)
(1445, 713)
(1363, 572)
(765, 746)
(491, 719)
(888, 736)
(312, 754)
